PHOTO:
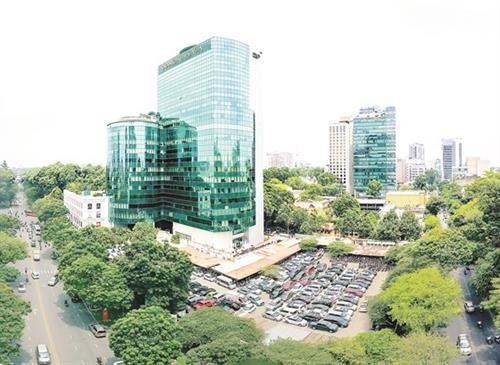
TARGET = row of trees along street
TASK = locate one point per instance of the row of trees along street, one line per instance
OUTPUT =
(13, 309)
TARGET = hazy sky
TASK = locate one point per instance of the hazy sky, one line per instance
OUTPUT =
(69, 67)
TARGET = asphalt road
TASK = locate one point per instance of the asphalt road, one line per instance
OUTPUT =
(63, 329)
(482, 353)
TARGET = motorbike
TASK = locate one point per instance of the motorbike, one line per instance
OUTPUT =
(489, 340)
(479, 324)
(66, 303)
(497, 338)
(99, 361)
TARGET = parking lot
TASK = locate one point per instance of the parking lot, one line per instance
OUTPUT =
(313, 297)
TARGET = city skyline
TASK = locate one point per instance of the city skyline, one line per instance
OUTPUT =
(437, 63)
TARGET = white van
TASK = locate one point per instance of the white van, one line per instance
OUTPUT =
(288, 311)
(42, 354)
(226, 282)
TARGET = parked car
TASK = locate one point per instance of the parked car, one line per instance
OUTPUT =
(97, 330)
(275, 316)
(209, 277)
(296, 320)
(53, 281)
(311, 316)
(363, 307)
(463, 344)
(469, 306)
(338, 320)
(249, 308)
(21, 288)
(255, 299)
(197, 273)
(204, 303)
(324, 326)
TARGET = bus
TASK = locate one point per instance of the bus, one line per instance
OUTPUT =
(225, 282)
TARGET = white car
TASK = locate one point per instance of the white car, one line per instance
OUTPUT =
(209, 277)
(296, 320)
(463, 344)
(249, 308)
(35, 275)
(21, 288)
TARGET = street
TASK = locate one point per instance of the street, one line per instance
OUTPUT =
(64, 330)
(482, 353)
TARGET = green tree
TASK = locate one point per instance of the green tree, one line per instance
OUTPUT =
(285, 216)
(327, 178)
(486, 269)
(468, 218)
(374, 188)
(388, 229)
(206, 325)
(430, 222)
(12, 312)
(144, 231)
(308, 244)
(295, 182)
(338, 248)
(11, 249)
(47, 208)
(271, 271)
(8, 187)
(8, 224)
(290, 352)
(81, 274)
(109, 290)
(343, 204)
(275, 200)
(493, 301)
(156, 273)
(424, 348)
(348, 351)
(434, 205)
(145, 336)
(280, 173)
(422, 300)
(409, 228)
(176, 238)
(378, 345)
(354, 222)
(448, 248)
(224, 351)
(427, 181)
(311, 192)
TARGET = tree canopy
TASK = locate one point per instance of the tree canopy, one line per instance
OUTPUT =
(145, 336)
(290, 352)
(389, 228)
(8, 224)
(8, 187)
(11, 249)
(342, 204)
(12, 322)
(374, 188)
(207, 325)
(422, 300)
(409, 228)
(338, 249)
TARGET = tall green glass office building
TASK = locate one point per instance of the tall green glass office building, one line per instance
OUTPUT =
(374, 148)
(200, 181)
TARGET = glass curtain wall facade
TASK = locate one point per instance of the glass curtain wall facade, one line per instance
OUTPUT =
(374, 148)
(132, 170)
(207, 87)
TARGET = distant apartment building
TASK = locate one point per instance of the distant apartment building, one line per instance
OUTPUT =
(374, 148)
(87, 208)
(340, 147)
(400, 171)
(416, 152)
(438, 167)
(280, 159)
(475, 166)
(452, 157)
(413, 169)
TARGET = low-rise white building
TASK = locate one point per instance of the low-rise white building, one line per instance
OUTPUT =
(89, 207)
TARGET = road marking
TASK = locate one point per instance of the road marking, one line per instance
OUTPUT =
(55, 357)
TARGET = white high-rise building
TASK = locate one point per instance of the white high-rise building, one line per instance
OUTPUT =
(340, 146)
(414, 168)
(416, 152)
(476, 166)
(280, 159)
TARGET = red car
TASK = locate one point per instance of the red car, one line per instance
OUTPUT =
(288, 285)
(356, 292)
(204, 303)
(304, 281)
